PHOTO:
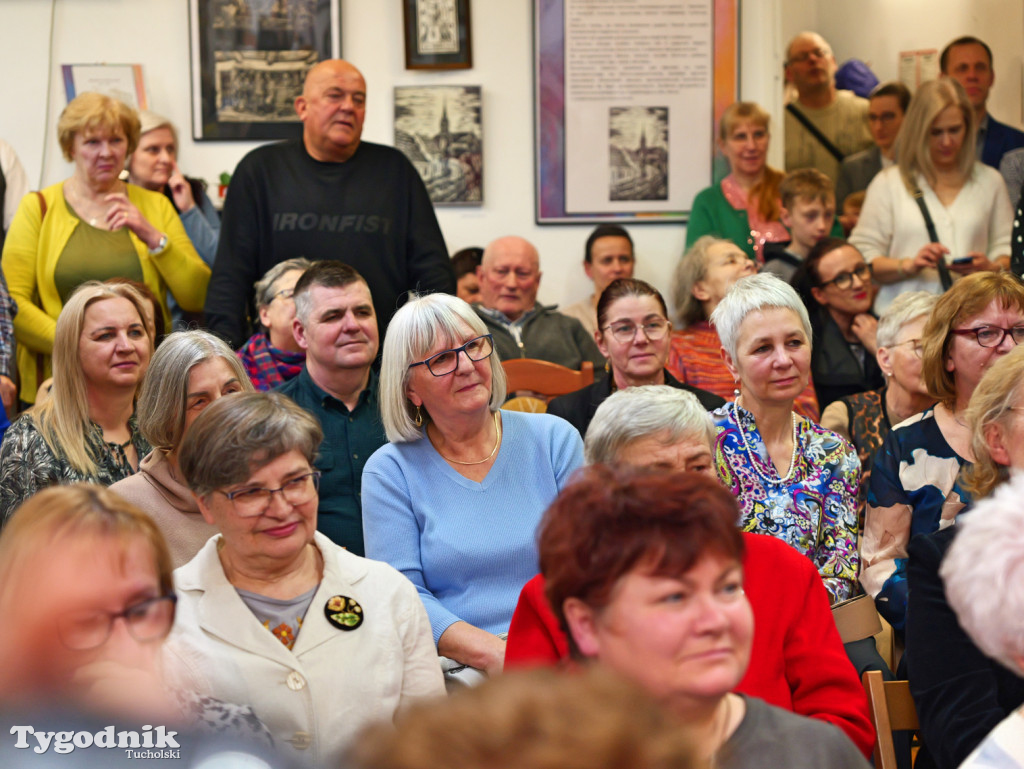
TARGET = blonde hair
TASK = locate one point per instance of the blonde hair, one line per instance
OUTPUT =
(992, 403)
(96, 111)
(691, 269)
(63, 418)
(913, 155)
(766, 191)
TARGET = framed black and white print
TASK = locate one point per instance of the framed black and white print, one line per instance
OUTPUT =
(437, 34)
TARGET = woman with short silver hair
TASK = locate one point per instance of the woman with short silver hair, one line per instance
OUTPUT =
(319, 641)
(271, 356)
(794, 479)
(190, 370)
(454, 500)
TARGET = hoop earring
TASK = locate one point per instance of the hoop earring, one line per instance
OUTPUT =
(418, 419)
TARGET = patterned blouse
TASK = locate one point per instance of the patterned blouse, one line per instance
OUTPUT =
(914, 489)
(815, 511)
(27, 464)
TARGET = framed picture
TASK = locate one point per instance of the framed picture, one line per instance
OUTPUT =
(439, 129)
(249, 61)
(437, 34)
(122, 81)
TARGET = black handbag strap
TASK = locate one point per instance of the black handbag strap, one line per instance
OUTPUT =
(944, 277)
(823, 140)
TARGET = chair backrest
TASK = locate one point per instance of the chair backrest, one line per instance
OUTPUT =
(546, 378)
(856, 619)
(892, 709)
(527, 404)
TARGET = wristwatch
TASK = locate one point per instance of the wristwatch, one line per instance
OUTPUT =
(159, 246)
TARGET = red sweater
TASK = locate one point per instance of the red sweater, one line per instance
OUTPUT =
(797, 661)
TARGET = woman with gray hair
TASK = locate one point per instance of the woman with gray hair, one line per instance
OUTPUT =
(454, 500)
(702, 278)
(272, 356)
(189, 371)
(866, 418)
(318, 641)
(794, 479)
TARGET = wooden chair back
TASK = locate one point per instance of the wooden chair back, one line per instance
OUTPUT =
(892, 709)
(527, 404)
(856, 619)
(546, 378)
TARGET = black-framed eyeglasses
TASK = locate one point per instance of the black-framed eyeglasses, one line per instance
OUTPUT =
(917, 349)
(992, 336)
(625, 332)
(254, 500)
(446, 361)
(148, 620)
(845, 279)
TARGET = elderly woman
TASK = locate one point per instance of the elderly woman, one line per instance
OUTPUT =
(191, 370)
(272, 356)
(975, 608)
(702, 278)
(797, 661)
(86, 429)
(92, 226)
(744, 207)
(938, 178)
(915, 487)
(864, 419)
(838, 293)
(627, 306)
(646, 572)
(454, 500)
(794, 479)
(320, 642)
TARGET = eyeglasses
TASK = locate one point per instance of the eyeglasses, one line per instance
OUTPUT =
(992, 336)
(284, 293)
(916, 349)
(885, 117)
(446, 361)
(253, 501)
(800, 58)
(148, 620)
(626, 332)
(845, 279)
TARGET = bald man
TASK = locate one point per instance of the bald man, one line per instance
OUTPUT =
(840, 116)
(328, 195)
(509, 279)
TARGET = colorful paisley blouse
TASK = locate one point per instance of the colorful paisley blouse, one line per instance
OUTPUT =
(815, 511)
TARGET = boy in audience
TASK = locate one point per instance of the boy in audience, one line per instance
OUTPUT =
(851, 210)
(809, 211)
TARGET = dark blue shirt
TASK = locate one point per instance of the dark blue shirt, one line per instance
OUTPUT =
(350, 437)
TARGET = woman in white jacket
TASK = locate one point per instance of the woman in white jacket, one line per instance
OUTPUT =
(966, 200)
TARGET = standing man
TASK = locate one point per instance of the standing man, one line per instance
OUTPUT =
(823, 125)
(327, 196)
(968, 60)
(522, 328)
(886, 107)
(336, 325)
(607, 256)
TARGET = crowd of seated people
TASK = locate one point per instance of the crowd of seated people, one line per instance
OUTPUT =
(355, 536)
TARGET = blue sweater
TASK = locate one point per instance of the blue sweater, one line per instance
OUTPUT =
(468, 547)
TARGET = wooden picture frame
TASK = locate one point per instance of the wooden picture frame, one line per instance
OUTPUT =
(437, 34)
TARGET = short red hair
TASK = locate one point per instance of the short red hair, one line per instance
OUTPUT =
(612, 520)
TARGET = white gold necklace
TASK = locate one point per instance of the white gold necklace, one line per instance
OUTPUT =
(751, 454)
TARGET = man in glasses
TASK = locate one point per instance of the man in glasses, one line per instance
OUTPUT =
(823, 124)
(336, 325)
(522, 328)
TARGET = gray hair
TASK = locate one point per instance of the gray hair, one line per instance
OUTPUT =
(905, 308)
(236, 436)
(418, 325)
(638, 412)
(983, 572)
(163, 400)
(750, 294)
(691, 269)
(265, 286)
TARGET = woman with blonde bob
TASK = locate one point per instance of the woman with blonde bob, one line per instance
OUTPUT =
(190, 371)
(966, 200)
(454, 500)
(915, 485)
(92, 226)
(86, 430)
(744, 207)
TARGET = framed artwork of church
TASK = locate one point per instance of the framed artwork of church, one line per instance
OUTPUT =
(439, 128)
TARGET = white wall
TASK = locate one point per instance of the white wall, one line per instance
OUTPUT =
(154, 33)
